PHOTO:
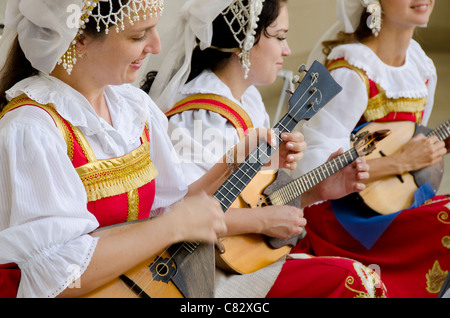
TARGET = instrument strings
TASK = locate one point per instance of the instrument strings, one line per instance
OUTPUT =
(240, 168)
(155, 263)
(170, 259)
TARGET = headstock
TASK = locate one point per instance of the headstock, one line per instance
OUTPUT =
(314, 91)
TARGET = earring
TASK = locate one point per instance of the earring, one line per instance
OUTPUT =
(69, 59)
(374, 20)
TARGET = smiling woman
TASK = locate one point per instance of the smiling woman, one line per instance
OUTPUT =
(220, 51)
(388, 80)
(95, 49)
(80, 149)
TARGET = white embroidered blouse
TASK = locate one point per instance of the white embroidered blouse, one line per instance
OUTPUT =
(44, 221)
(201, 137)
(331, 127)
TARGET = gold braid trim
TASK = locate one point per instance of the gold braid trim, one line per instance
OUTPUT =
(380, 106)
(84, 144)
(102, 178)
(343, 63)
(105, 178)
(223, 106)
(133, 205)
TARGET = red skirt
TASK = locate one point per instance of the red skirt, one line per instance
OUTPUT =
(326, 277)
(412, 255)
(9, 280)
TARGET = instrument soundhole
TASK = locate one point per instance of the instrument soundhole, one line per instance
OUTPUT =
(162, 269)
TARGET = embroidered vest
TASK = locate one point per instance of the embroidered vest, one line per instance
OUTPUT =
(380, 107)
(119, 189)
(217, 104)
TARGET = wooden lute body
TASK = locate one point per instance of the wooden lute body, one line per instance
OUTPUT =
(394, 193)
(251, 252)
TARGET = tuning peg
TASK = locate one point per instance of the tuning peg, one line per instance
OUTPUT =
(288, 91)
(302, 69)
(296, 79)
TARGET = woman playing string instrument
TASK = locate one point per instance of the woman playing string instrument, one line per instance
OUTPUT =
(387, 78)
(219, 51)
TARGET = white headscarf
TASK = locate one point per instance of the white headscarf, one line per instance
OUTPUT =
(194, 21)
(348, 13)
(45, 29)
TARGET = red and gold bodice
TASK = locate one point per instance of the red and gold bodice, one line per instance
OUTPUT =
(119, 189)
(381, 108)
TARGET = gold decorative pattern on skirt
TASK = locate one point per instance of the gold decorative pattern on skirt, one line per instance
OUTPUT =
(369, 279)
(435, 278)
(446, 242)
(443, 217)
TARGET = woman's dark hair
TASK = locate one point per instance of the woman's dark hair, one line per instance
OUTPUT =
(361, 34)
(17, 67)
(147, 82)
(211, 58)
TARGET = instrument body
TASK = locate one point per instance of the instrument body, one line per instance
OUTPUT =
(184, 270)
(189, 271)
(395, 193)
(251, 252)
(315, 90)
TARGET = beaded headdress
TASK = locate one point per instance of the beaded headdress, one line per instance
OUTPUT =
(94, 9)
(194, 28)
(244, 21)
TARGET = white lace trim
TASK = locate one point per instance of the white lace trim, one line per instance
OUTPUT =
(67, 261)
(77, 274)
(408, 80)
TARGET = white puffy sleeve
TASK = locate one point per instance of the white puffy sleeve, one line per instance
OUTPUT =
(44, 222)
(428, 72)
(171, 185)
(431, 87)
(331, 127)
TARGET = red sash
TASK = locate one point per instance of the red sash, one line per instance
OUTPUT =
(217, 104)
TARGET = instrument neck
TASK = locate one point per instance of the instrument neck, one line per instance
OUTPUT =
(302, 184)
(442, 132)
